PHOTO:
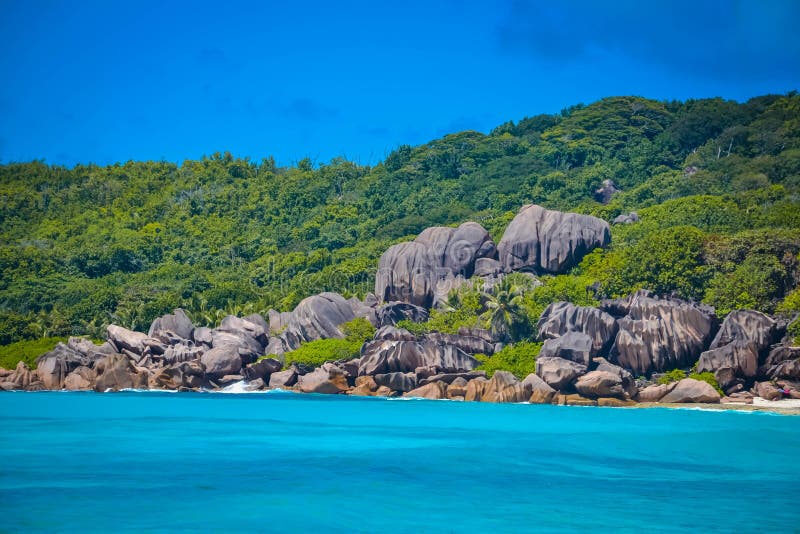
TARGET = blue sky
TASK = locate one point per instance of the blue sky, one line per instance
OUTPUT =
(105, 81)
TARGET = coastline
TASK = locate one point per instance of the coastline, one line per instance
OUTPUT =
(789, 407)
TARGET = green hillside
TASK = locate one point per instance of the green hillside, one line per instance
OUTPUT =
(715, 183)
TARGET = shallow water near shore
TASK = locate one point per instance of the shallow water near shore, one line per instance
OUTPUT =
(280, 461)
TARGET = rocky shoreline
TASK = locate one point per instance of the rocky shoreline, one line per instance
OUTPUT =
(609, 355)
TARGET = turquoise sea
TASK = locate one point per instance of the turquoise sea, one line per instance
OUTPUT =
(308, 463)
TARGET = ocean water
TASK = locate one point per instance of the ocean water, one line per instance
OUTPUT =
(308, 463)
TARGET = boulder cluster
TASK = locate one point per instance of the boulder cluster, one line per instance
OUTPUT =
(609, 355)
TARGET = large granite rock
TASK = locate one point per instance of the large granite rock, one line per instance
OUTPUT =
(21, 378)
(317, 317)
(116, 372)
(53, 367)
(283, 379)
(406, 274)
(747, 325)
(89, 350)
(248, 348)
(691, 390)
(546, 241)
(559, 318)
(655, 392)
(469, 344)
(328, 379)
(433, 391)
(660, 335)
(278, 321)
(783, 362)
(392, 313)
(135, 342)
(182, 352)
(541, 392)
(558, 373)
(504, 387)
(735, 359)
(221, 361)
(607, 190)
(254, 327)
(383, 356)
(181, 375)
(262, 369)
(392, 333)
(573, 346)
(397, 381)
(177, 323)
(81, 379)
(455, 250)
(596, 384)
(626, 378)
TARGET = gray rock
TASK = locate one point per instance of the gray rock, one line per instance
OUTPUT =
(433, 391)
(541, 392)
(317, 317)
(655, 392)
(470, 345)
(176, 322)
(660, 335)
(54, 366)
(262, 369)
(182, 353)
(394, 312)
(278, 321)
(596, 384)
(562, 317)
(504, 387)
(91, 351)
(447, 378)
(546, 241)
(248, 348)
(221, 361)
(116, 372)
(558, 373)
(487, 267)
(256, 329)
(628, 218)
(747, 325)
(628, 382)
(406, 274)
(21, 378)
(455, 250)
(573, 346)
(81, 379)
(181, 375)
(328, 379)
(691, 390)
(136, 342)
(393, 333)
(606, 191)
(283, 379)
(397, 381)
(202, 336)
(740, 356)
(381, 357)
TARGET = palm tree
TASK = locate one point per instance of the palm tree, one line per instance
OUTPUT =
(504, 310)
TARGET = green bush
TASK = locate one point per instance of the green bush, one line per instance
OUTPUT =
(27, 351)
(315, 353)
(708, 378)
(359, 329)
(672, 376)
(519, 359)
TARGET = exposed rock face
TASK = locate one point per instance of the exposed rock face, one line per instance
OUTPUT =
(548, 241)
(406, 274)
(457, 388)
(655, 392)
(262, 369)
(328, 379)
(691, 390)
(558, 373)
(394, 312)
(447, 378)
(626, 218)
(433, 391)
(409, 272)
(202, 335)
(562, 317)
(504, 387)
(136, 342)
(283, 379)
(606, 191)
(91, 352)
(278, 321)
(541, 393)
(574, 400)
(182, 353)
(392, 333)
(768, 391)
(176, 322)
(181, 375)
(783, 362)
(469, 344)
(739, 357)
(21, 378)
(81, 379)
(596, 384)
(487, 267)
(255, 328)
(221, 361)
(317, 317)
(475, 388)
(659, 335)
(397, 381)
(626, 378)
(573, 346)
(381, 357)
(746, 325)
(365, 386)
(116, 372)
(54, 366)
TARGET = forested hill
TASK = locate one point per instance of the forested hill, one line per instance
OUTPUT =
(714, 182)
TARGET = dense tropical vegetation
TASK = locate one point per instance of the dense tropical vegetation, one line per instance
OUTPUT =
(715, 183)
